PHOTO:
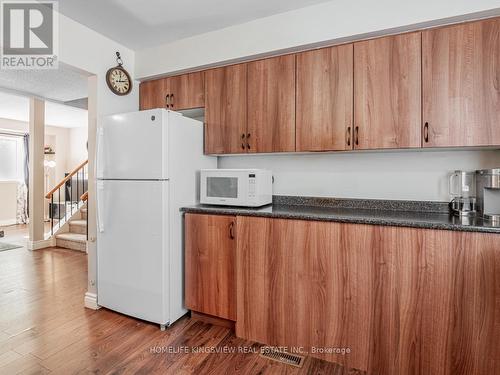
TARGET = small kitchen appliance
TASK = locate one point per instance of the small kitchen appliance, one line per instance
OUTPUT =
(462, 186)
(488, 195)
(236, 187)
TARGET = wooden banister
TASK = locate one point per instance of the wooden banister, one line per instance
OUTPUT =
(65, 179)
(84, 196)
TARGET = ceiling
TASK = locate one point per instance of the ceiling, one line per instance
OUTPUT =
(139, 24)
(62, 84)
(16, 107)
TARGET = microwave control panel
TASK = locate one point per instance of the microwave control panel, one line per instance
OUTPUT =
(251, 186)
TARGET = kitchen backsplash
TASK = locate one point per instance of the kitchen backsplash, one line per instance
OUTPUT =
(411, 175)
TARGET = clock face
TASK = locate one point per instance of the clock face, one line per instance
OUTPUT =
(118, 81)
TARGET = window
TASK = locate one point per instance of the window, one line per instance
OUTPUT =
(11, 158)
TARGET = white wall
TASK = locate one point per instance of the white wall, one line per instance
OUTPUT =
(68, 145)
(88, 51)
(412, 175)
(8, 202)
(335, 20)
(77, 146)
(61, 157)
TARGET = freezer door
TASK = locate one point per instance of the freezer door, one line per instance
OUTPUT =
(132, 248)
(133, 146)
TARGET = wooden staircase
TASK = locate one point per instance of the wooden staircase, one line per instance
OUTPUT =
(76, 238)
(69, 210)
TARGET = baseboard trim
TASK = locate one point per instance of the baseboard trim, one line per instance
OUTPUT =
(90, 301)
(40, 244)
(5, 223)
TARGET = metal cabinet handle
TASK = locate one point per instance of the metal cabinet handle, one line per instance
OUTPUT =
(242, 141)
(426, 132)
(172, 100)
(348, 136)
(248, 144)
(231, 230)
(167, 100)
(356, 135)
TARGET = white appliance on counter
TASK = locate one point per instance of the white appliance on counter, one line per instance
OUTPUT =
(147, 167)
(236, 187)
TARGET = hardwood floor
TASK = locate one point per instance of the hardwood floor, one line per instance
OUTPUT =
(44, 328)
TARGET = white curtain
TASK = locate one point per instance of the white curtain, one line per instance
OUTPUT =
(22, 203)
(22, 187)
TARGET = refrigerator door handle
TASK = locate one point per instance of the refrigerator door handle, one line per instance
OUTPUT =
(99, 164)
(99, 205)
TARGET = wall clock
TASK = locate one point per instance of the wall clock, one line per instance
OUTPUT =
(118, 79)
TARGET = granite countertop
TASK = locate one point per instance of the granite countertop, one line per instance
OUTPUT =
(416, 214)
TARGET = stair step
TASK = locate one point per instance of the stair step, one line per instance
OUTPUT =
(78, 222)
(74, 241)
(75, 237)
(83, 213)
(78, 226)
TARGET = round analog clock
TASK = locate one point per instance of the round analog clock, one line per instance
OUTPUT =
(118, 80)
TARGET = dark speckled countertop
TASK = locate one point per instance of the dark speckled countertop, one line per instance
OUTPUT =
(416, 214)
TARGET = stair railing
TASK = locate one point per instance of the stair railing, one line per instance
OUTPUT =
(73, 185)
(84, 198)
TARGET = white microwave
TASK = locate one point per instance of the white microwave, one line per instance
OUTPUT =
(236, 187)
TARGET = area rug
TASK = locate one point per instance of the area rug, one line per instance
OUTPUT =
(8, 246)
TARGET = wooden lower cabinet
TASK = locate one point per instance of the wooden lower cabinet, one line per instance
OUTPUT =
(210, 257)
(403, 300)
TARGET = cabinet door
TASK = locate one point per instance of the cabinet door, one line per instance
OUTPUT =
(305, 284)
(210, 254)
(460, 324)
(271, 105)
(226, 109)
(387, 92)
(186, 91)
(461, 90)
(152, 94)
(324, 99)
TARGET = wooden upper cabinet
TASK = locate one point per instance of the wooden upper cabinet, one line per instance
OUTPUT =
(387, 92)
(324, 99)
(226, 109)
(461, 85)
(152, 94)
(271, 104)
(210, 256)
(185, 91)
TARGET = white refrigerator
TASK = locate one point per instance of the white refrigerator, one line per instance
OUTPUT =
(147, 167)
